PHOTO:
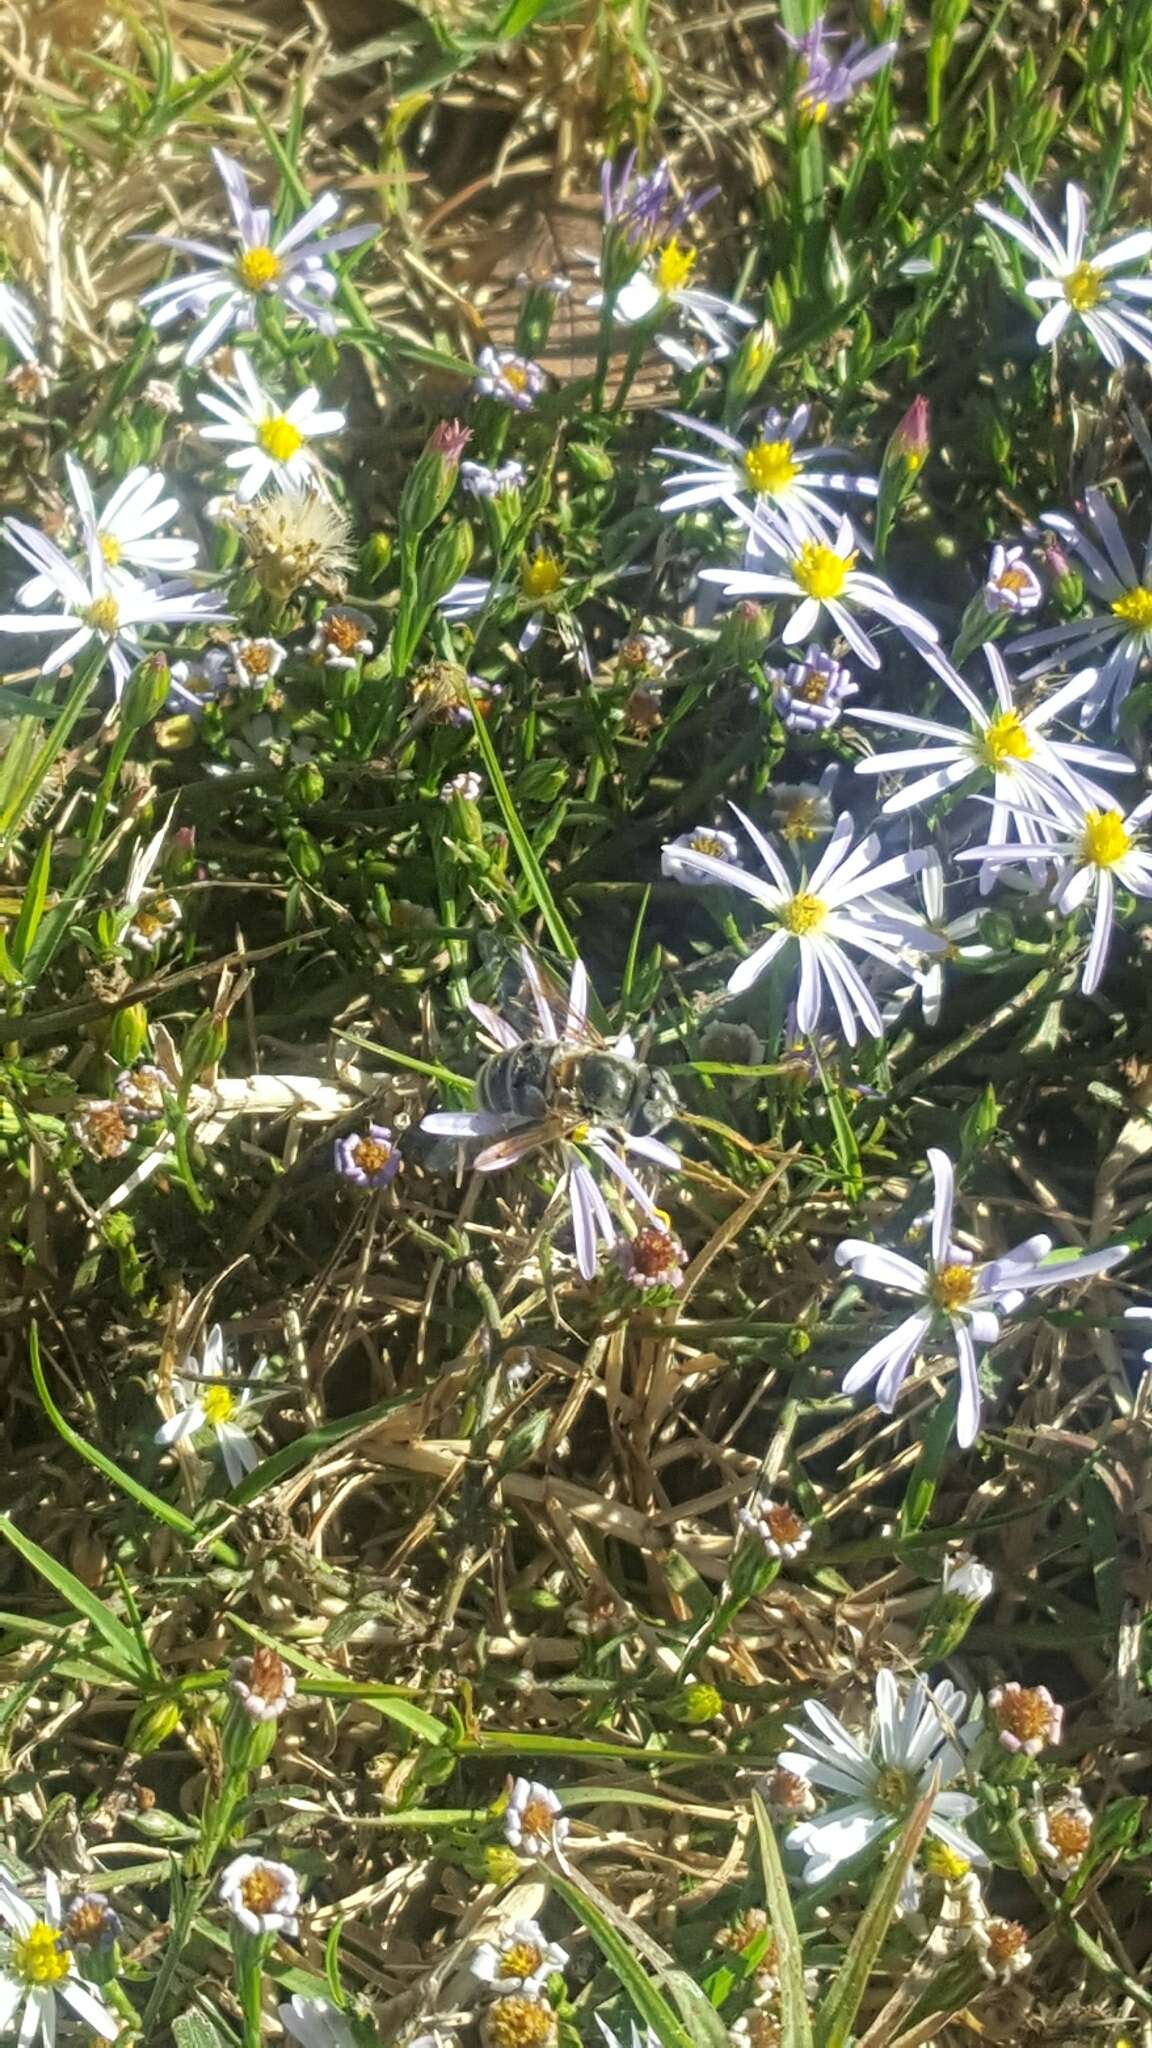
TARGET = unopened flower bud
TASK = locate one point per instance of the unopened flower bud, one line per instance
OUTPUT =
(1066, 582)
(151, 1725)
(445, 562)
(146, 692)
(965, 1587)
(128, 1034)
(432, 477)
(909, 443)
(754, 359)
(305, 783)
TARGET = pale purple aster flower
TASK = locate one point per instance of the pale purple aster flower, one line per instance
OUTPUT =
(1122, 632)
(643, 204)
(821, 576)
(481, 481)
(811, 694)
(502, 374)
(370, 1159)
(1081, 289)
(828, 80)
(678, 864)
(788, 484)
(960, 1301)
(1011, 584)
(342, 638)
(263, 1896)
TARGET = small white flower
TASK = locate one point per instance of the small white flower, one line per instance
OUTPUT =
(663, 282)
(676, 856)
(1122, 633)
(787, 1794)
(965, 1578)
(481, 481)
(263, 1684)
(467, 786)
(273, 442)
(96, 607)
(822, 576)
(17, 323)
(502, 374)
(125, 533)
(835, 908)
(783, 1533)
(521, 1960)
(1063, 1832)
(1081, 289)
(256, 662)
(535, 1823)
(342, 639)
(787, 484)
(1012, 584)
(1026, 1718)
(1095, 848)
(912, 1737)
(291, 268)
(959, 1299)
(37, 1968)
(811, 694)
(1001, 1948)
(263, 1896)
(210, 1397)
(315, 2023)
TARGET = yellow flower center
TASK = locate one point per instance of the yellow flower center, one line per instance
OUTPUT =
(520, 1959)
(537, 1817)
(1104, 840)
(103, 615)
(370, 1155)
(542, 576)
(820, 571)
(1084, 288)
(258, 268)
(674, 266)
(895, 1788)
(941, 1861)
(111, 550)
(515, 376)
(1135, 607)
(218, 1404)
(279, 438)
(255, 656)
(1014, 580)
(953, 1287)
(802, 820)
(707, 842)
(261, 1890)
(1005, 740)
(769, 466)
(40, 1957)
(519, 2022)
(803, 915)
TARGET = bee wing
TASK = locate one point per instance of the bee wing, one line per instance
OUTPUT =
(508, 1150)
(566, 1008)
(544, 997)
(501, 1032)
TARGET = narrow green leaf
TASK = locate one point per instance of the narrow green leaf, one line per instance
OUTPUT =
(795, 2022)
(619, 1950)
(119, 1640)
(32, 908)
(837, 2014)
(525, 851)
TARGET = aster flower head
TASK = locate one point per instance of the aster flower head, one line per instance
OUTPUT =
(576, 1133)
(255, 663)
(1063, 1832)
(535, 1823)
(644, 206)
(519, 2019)
(778, 1528)
(788, 485)
(342, 639)
(1034, 777)
(465, 787)
(263, 1684)
(677, 861)
(481, 480)
(913, 1735)
(965, 1578)
(262, 1896)
(521, 1959)
(1026, 1718)
(1011, 584)
(294, 537)
(1081, 288)
(651, 1259)
(125, 534)
(961, 1301)
(788, 1795)
(512, 379)
(370, 1159)
(645, 657)
(823, 916)
(811, 694)
(211, 1397)
(828, 79)
(90, 1921)
(105, 1129)
(39, 1973)
(821, 576)
(272, 441)
(231, 281)
(1001, 1948)
(663, 283)
(143, 1091)
(1118, 638)
(1095, 847)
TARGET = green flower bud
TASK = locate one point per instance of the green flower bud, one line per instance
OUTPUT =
(432, 477)
(445, 562)
(303, 852)
(754, 359)
(698, 1704)
(305, 783)
(375, 556)
(204, 1046)
(151, 1725)
(129, 1034)
(145, 692)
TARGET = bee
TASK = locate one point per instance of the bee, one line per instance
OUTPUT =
(587, 1083)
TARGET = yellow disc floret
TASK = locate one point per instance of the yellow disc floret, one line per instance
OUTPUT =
(674, 266)
(1104, 840)
(279, 438)
(952, 1287)
(258, 268)
(111, 550)
(218, 1404)
(820, 571)
(769, 466)
(1135, 607)
(803, 915)
(541, 576)
(1005, 739)
(103, 615)
(40, 1956)
(1083, 288)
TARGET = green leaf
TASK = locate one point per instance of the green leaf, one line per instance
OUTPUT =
(619, 1949)
(525, 851)
(837, 2014)
(32, 908)
(795, 2022)
(120, 1641)
(193, 2030)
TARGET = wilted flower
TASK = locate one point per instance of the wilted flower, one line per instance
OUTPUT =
(811, 694)
(1080, 289)
(142, 1091)
(263, 1684)
(371, 1159)
(1012, 584)
(744, 1930)
(38, 1967)
(502, 374)
(787, 1795)
(105, 1129)
(650, 1259)
(645, 655)
(481, 481)
(535, 1823)
(263, 1896)
(783, 1533)
(295, 537)
(1026, 1718)
(152, 921)
(31, 382)
(1001, 1948)
(256, 662)
(342, 638)
(273, 441)
(162, 395)
(522, 1959)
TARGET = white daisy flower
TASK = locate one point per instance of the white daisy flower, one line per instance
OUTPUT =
(961, 1302)
(212, 1397)
(822, 577)
(542, 585)
(1006, 747)
(570, 1136)
(663, 282)
(37, 1968)
(273, 442)
(521, 1960)
(263, 1896)
(255, 663)
(1081, 289)
(959, 941)
(98, 608)
(783, 1533)
(1063, 1832)
(883, 1777)
(535, 1823)
(965, 1578)
(824, 915)
(1094, 848)
(1122, 635)
(18, 323)
(502, 374)
(315, 2023)
(125, 532)
(291, 268)
(1011, 584)
(1001, 1948)
(787, 484)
